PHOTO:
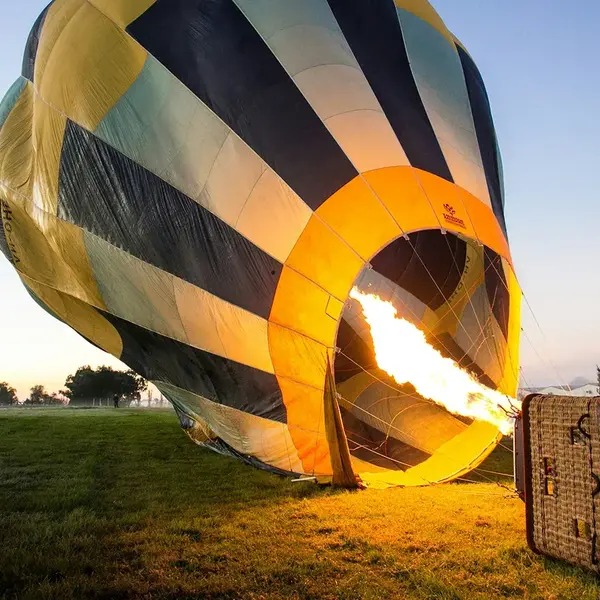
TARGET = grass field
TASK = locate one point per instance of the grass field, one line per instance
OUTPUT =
(120, 504)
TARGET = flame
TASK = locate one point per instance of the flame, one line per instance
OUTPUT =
(403, 352)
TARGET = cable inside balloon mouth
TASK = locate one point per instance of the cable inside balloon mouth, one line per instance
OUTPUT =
(402, 351)
(422, 354)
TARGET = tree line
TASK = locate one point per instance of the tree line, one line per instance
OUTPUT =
(86, 387)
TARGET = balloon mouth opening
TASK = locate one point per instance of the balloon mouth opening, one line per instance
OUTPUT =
(390, 426)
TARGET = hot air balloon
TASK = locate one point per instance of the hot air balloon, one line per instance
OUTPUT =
(196, 187)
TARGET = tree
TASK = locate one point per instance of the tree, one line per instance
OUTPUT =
(598, 377)
(39, 397)
(55, 399)
(8, 395)
(90, 386)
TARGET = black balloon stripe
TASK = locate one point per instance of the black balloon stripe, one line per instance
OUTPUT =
(28, 66)
(373, 446)
(373, 31)
(497, 289)
(215, 51)
(108, 194)
(219, 379)
(486, 134)
(430, 266)
(355, 354)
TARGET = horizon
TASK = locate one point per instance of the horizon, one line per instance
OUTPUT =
(544, 106)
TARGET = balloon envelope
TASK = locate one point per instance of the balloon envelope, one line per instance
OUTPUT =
(195, 187)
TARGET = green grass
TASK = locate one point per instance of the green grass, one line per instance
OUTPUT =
(120, 504)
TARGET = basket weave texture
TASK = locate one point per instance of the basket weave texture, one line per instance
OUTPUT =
(564, 438)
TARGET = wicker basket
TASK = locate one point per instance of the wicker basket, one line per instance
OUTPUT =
(561, 443)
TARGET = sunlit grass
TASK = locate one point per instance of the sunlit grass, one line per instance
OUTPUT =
(120, 504)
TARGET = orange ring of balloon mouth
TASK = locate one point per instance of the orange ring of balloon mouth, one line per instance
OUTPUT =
(319, 273)
(382, 442)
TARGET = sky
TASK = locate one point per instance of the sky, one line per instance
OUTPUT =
(539, 62)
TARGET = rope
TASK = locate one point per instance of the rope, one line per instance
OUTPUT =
(560, 379)
(409, 436)
(527, 338)
(485, 338)
(435, 483)
(509, 475)
(556, 372)
(511, 450)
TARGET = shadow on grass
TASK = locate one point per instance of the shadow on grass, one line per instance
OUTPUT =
(563, 569)
(96, 497)
(132, 460)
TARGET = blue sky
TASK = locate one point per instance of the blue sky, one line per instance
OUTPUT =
(539, 62)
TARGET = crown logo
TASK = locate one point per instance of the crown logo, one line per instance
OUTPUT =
(449, 208)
